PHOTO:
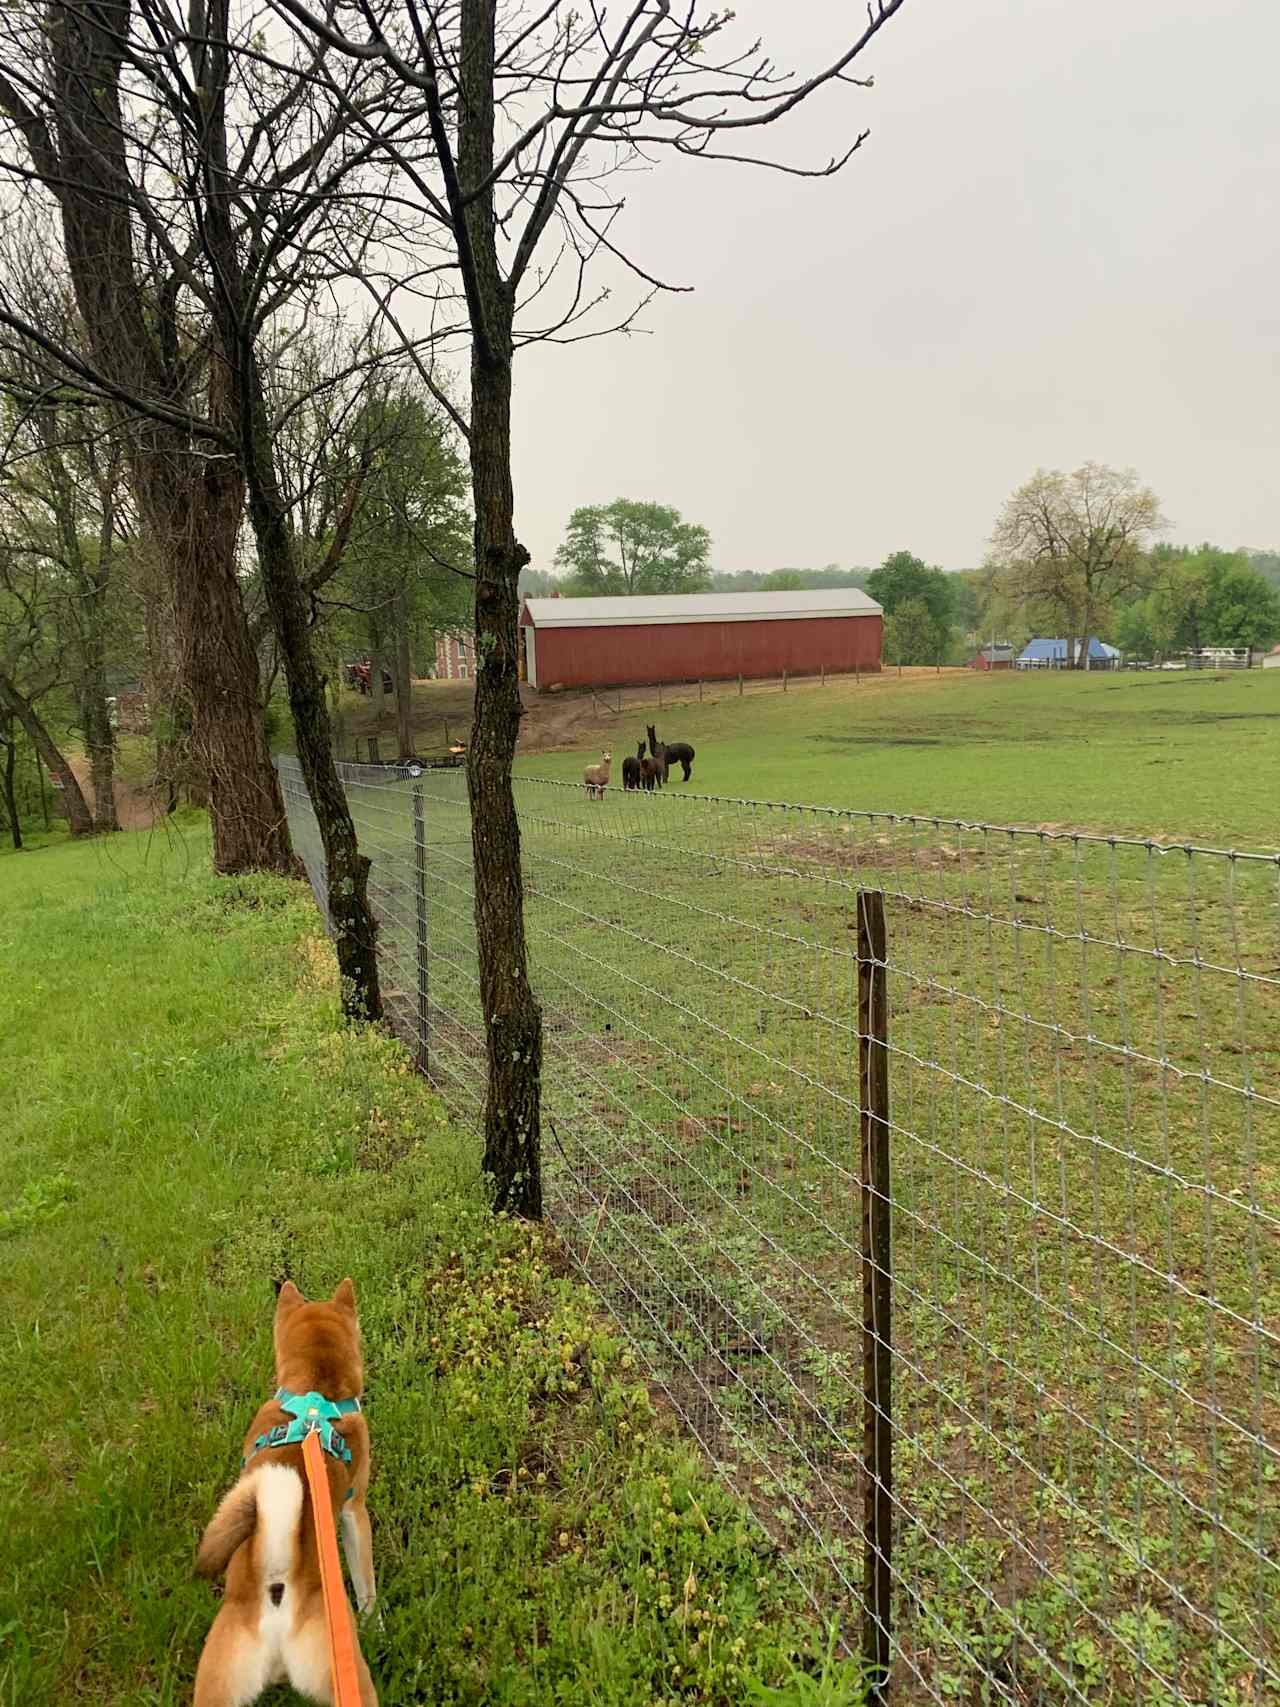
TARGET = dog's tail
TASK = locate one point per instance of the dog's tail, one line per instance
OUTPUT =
(270, 1496)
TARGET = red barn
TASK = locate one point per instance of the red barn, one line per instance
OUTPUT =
(685, 637)
(998, 656)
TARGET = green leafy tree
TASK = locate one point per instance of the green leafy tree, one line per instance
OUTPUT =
(903, 577)
(1267, 564)
(406, 570)
(1241, 608)
(1070, 547)
(629, 547)
(1205, 597)
(1132, 631)
(912, 634)
(918, 603)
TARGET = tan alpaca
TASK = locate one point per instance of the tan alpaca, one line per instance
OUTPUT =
(596, 777)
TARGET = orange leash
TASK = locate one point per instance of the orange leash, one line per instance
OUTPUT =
(337, 1611)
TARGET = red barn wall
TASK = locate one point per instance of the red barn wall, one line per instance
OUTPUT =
(708, 651)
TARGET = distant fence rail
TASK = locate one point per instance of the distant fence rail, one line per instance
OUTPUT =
(843, 1105)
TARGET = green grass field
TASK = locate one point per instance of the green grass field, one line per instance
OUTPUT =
(1176, 754)
(1085, 1080)
(189, 1123)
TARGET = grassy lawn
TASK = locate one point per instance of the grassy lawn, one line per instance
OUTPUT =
(188, 1124)
(1165, 754)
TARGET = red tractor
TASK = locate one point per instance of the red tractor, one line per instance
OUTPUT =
(360, 677)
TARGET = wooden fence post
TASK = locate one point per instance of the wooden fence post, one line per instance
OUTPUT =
(739, 684)
(877, 1293)
(420, 908)
(375, 757)
(784, 681)
(699, 690)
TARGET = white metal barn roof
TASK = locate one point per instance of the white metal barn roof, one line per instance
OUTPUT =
(644, 612)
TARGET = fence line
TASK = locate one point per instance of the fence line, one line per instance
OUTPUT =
(1069, 1110)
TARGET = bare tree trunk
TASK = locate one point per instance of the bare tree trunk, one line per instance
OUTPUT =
(403, 676)
(220, 674)
(512, 1017)
(352, 922)
(354, 932)
(99, 737)
(337, 717)
(165, 711)
(513, 1020)
(79, 818)
(10, 791)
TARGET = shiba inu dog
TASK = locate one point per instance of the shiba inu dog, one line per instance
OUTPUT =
(271, 1626)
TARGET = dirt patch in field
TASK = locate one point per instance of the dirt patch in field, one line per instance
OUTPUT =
(876, 853)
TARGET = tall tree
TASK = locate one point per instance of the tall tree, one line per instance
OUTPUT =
(574, 96)
(912, 635)
(32, 670)
(919, 604)
(1072, 544)
(76, 140)
(270, 195)
(903, 576)
(8, 773)
(61, 500)
(408, 565)
(630, 547)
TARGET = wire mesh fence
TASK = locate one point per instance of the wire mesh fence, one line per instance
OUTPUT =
(1081, 1131)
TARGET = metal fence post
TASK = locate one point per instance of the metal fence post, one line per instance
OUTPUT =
(877, 1274)
(420, 908)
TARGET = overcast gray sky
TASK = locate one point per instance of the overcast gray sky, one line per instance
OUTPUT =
(1061, 242)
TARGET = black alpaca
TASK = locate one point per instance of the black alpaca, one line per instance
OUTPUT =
(673, 753)
(631, 769)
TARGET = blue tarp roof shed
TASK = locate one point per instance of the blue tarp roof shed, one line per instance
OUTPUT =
(1055, 651)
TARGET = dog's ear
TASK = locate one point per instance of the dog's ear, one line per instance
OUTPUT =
(288, 1298)
(344, 1298)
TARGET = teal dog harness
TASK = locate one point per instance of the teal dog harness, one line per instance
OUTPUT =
(310, 1413)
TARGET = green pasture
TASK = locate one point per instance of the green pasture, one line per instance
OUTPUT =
(1085, 1074)
(1167, 754)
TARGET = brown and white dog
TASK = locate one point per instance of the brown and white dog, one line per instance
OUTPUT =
(270, 1628)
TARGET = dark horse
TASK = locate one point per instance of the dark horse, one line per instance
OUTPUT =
(673, 752)
(631, 769)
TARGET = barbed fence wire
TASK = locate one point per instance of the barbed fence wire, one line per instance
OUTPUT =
(1080, 1139)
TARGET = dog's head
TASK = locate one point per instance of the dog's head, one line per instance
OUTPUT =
(321, 1338)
